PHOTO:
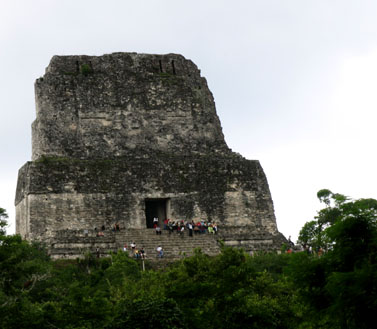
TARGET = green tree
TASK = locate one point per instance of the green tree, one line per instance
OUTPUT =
(23, 268)
(340, 287)
(231, 290)
(3, 221)
(148, 313)
(312, 235)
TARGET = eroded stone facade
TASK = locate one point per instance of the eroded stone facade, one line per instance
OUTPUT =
(122, 136)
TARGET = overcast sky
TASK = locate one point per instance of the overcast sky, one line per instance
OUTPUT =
(295, 81)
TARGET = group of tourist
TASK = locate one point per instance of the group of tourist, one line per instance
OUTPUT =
(199, 227)
(140, 253)
(290, 247)
(178, 226)
(137, 253)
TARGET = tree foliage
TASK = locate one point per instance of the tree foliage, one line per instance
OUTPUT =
(3, 222)
(337, 289)
(340, 287)
(231, 290)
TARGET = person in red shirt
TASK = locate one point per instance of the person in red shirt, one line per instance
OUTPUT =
(166, 222)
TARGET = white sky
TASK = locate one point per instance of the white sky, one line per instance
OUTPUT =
(295, 81)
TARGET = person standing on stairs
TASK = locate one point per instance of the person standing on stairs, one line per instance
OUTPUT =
(166, 223)
(133, 247)
(190, 227)
(160, 252)
(170, 227)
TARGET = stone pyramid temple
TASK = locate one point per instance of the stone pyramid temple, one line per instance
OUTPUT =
(124, 138)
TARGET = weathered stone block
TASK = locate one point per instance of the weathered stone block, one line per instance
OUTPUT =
(124, 137)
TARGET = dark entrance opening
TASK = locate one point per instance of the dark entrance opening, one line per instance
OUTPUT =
(155, 208)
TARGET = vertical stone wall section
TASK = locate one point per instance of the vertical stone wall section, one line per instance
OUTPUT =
(114, 131)
(97, 107)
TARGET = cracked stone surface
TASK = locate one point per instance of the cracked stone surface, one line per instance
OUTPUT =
(114, 131)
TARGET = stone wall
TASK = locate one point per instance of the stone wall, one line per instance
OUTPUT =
(78, 194)
(115, 132)
(122, 102)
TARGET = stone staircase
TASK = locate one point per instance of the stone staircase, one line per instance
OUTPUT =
(174, 245)
(73, 244)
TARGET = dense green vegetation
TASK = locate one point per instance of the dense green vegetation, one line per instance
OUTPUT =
(337, 289)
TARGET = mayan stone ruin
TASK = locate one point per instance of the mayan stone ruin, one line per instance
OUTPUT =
(124, 138)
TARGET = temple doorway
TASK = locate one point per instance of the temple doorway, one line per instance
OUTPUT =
(155, 208)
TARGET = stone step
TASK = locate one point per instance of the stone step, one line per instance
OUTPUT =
(147, 232)
(148, 247)
(174, 245)
(149, 244)
(138, 242)
(150, 254)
